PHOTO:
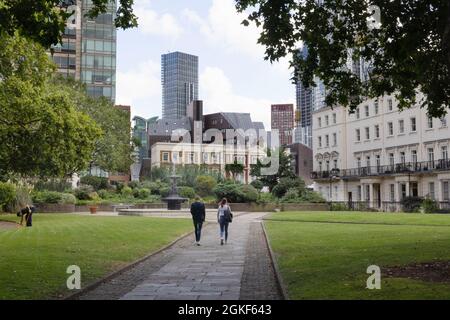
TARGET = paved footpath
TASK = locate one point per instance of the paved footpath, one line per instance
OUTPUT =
(241, 269)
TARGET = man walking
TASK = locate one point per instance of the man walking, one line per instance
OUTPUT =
(198, 216)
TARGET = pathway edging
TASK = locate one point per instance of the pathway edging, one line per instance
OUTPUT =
(276, 268)
(114, 274)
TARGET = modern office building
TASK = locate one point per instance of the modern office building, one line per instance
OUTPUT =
(282, 119)
(379, 155)
(88, 49)
(179, 78)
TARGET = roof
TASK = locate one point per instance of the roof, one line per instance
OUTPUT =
(259, 125)
(165, 126)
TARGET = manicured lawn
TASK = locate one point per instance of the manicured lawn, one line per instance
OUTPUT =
(326, 255)
(33, 261)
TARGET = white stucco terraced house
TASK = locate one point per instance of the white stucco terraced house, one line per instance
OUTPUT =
(379, 155)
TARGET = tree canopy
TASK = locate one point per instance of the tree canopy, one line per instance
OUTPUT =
(41, 130)
(407, 50)
(44, 20)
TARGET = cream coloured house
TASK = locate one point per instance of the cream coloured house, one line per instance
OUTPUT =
(214, 156)
(379, 155)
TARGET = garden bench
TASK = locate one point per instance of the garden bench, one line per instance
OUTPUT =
(122, 206)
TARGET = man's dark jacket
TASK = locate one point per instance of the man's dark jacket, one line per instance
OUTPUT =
(198, 211)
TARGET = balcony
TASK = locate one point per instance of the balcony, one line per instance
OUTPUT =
(377, 171)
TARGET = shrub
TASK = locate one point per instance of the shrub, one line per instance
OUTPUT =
(411, 204)
(53, 185)
(187, 192)
(51, 197)
(430, 206)
(291, 196)
(22, 197)
(204, 185)
(236, 192)
(83, 193)
(118, 186)
(311, 196)
(257, 184)
(288, 183)
(143, 193)
(96, 183)
(266, 197)
(7, 194)
(339, 207)
(250, 193)
(127, 192)
(104, 194)
(134, 185)
(68, 198)
(155, 187)
(164, 192)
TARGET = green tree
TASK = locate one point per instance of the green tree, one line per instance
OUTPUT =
(234, 168)
(407, 51)
(42, 132)
(44, 20)
(284, 169)
(204, 185)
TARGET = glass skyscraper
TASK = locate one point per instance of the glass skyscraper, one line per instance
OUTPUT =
(88, 50)
(179, 78)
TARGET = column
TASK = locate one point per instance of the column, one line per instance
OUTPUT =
(371, 196)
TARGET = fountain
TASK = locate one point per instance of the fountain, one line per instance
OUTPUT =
(174, 200)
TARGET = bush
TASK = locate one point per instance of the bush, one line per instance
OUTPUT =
(96, 183)
(311, 196)
(7, 194)
(339, 207)
(104, 194)
(291, 196)
(22, 197)
(257, 184)
(68, 198)
(134, 185)
(83, 193)
(187, 192)
(127, 192)
(204, 185)
(164, 192)
(430, 205)
(236, 193)
(411, 204)
(288, 183)
(250, 193)
(266, 197)
(53, 197)
(53, 185)
(155, 187)
(143, 193)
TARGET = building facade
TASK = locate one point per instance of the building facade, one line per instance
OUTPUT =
(179, 78)
(379, 155)
(88, 49)
(213, 156)
(282, 119)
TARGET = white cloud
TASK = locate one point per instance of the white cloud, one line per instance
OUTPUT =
(153, 23)
(218, 94)
(141, 83)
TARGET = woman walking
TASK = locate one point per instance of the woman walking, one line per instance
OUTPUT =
(224, 217)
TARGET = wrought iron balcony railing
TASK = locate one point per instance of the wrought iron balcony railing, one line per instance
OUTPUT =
(399, 168)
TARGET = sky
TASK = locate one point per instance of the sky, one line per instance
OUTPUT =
(233, 74)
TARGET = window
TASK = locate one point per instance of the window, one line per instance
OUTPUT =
(403, 190)
(414, 156)
(165, 157)
(358, 162)
(378, 160)
(445, 191)
(367, 192)
(334, 139)
(431, 192)
(413, 125)
(414, 187)
(359, 193)
(402, 157)
(444, 153)
(327, 121)
(367, 161)
(390, 128)
(430, 123)
(366, 110)
(175, 157)
(191, 157)
(443, 122)
(401, 126)
(358, 115)
(430, 154)
(319, 120)
(205, 157)
(390, 105)
(328, 165)
(327, 141)
(335, 164)
(392, 192)
(320, 142)
(367, 133)
(391, 159)
(376, 106)
(320, 166)
(377, 131)
(334, 118)
(358, 135)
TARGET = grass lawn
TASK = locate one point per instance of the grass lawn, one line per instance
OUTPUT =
(324, 255)
(33, 261)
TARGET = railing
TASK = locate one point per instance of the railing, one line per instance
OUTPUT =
(399, 168)
(385, 206)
